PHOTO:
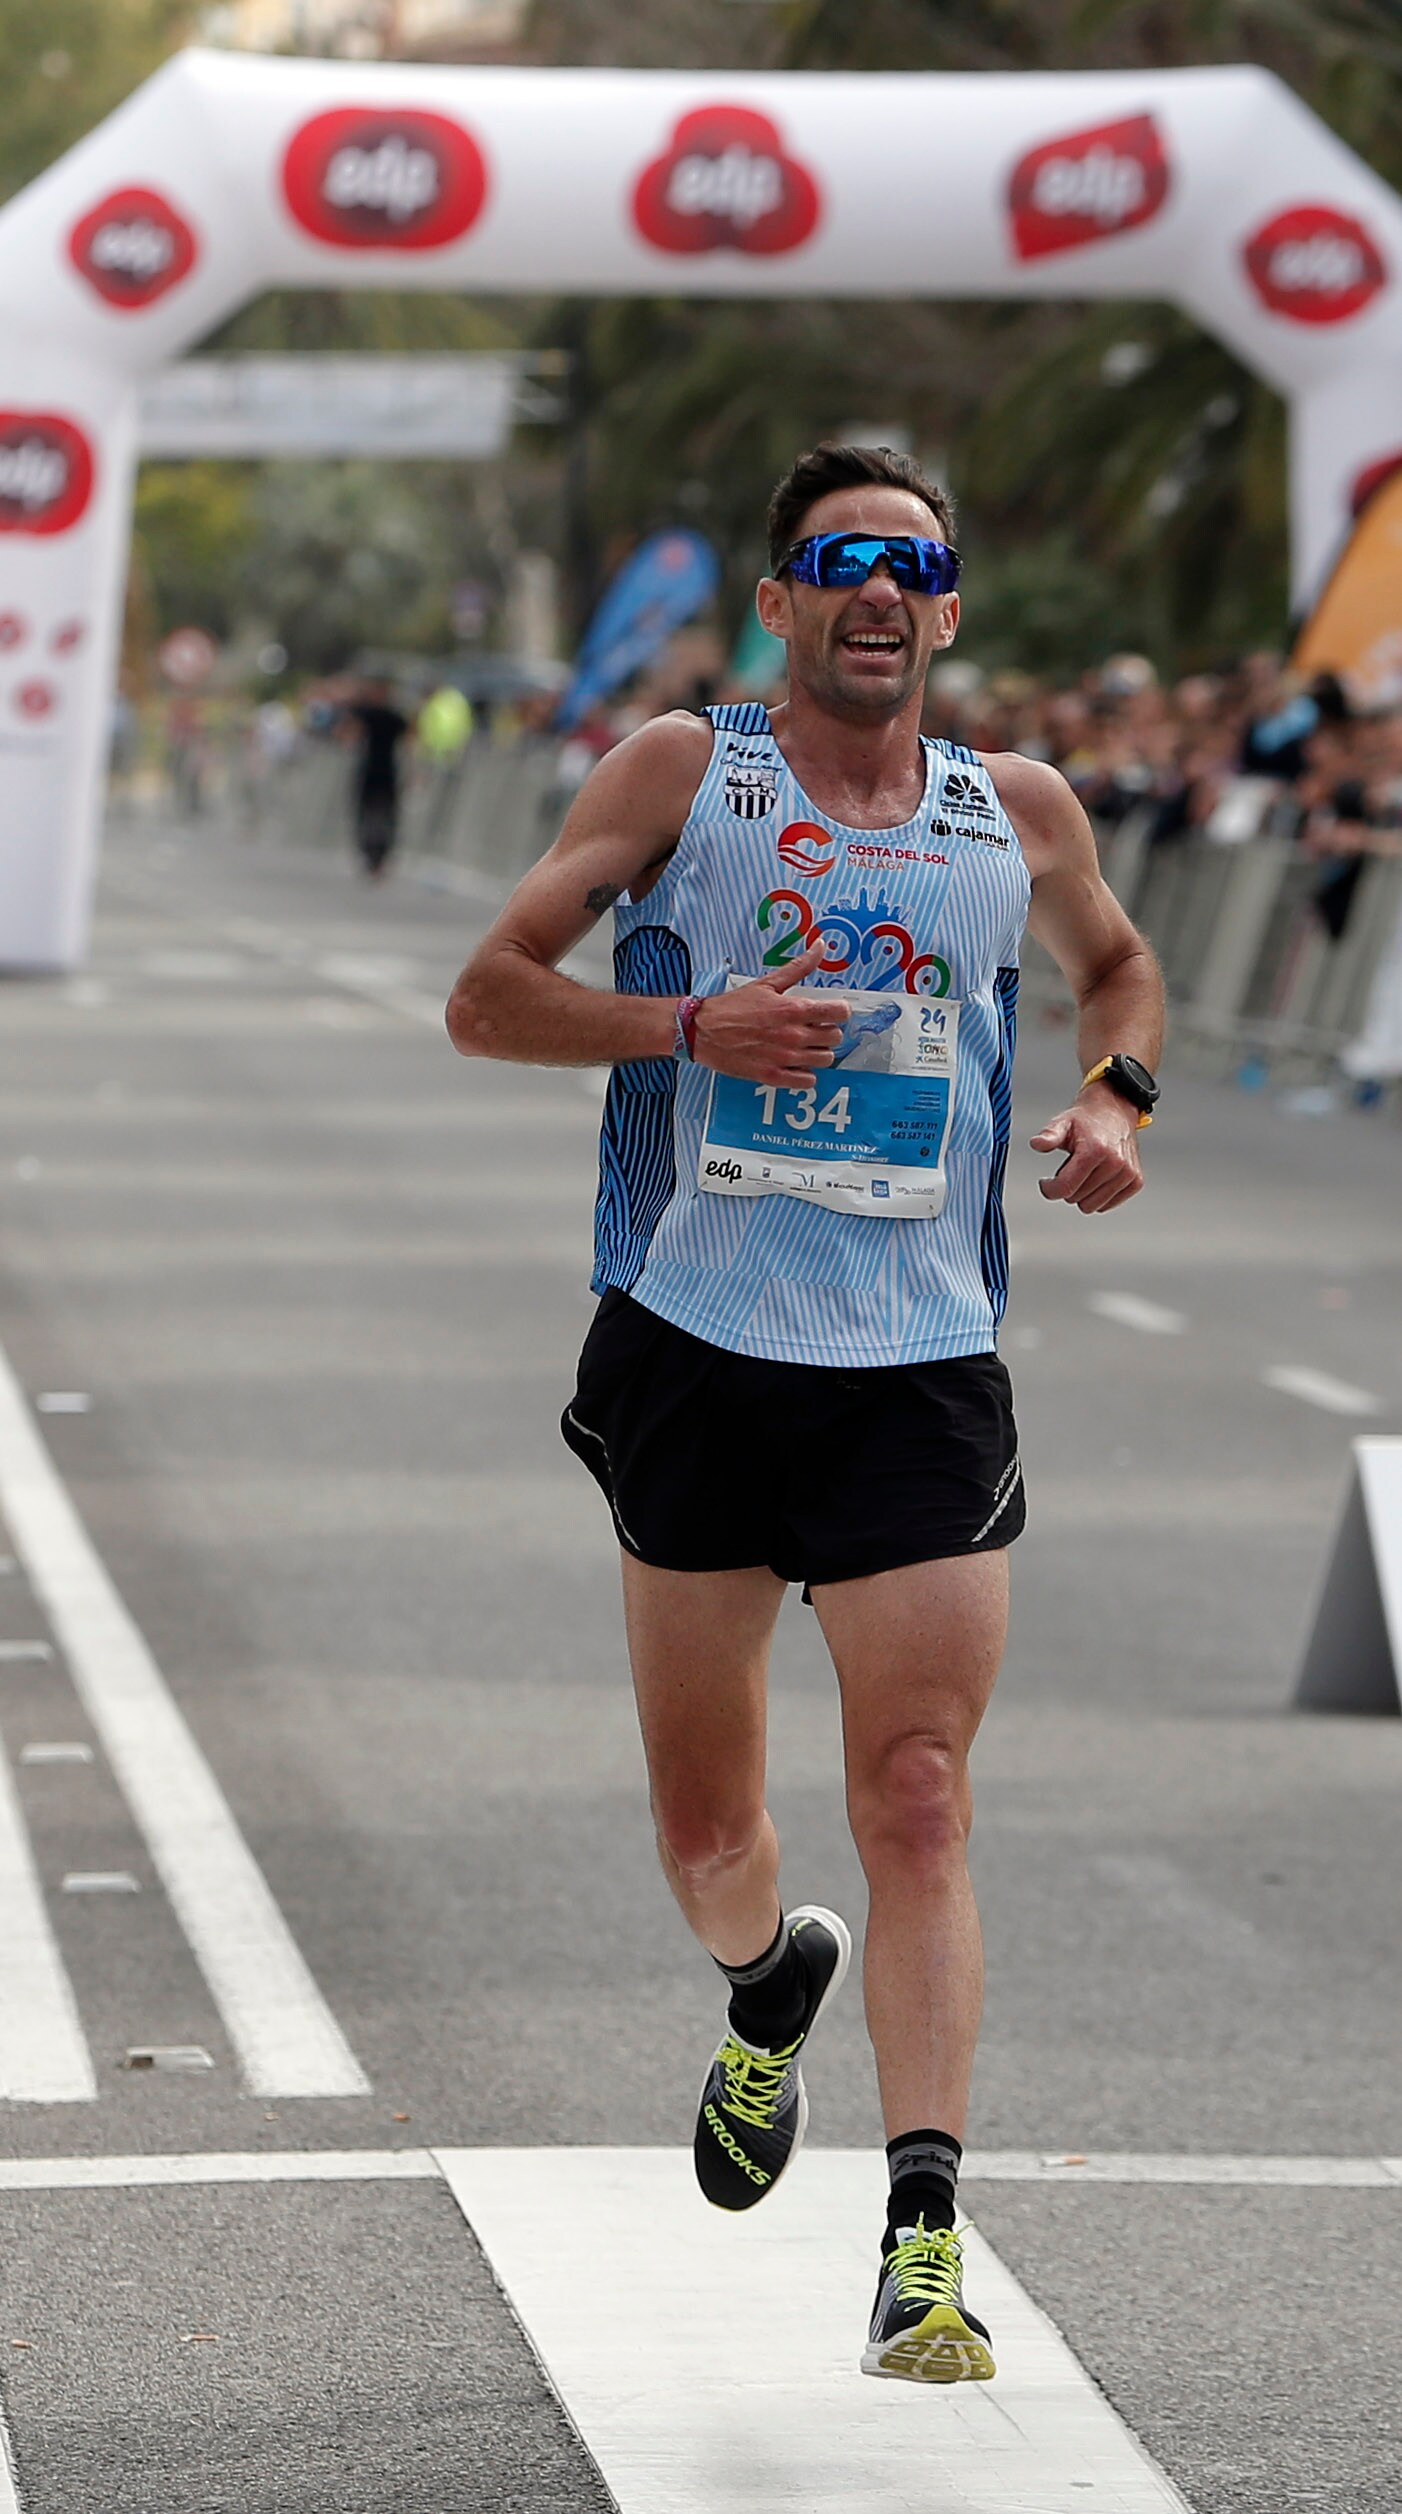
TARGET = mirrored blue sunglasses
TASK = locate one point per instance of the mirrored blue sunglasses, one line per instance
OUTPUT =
(847, 558)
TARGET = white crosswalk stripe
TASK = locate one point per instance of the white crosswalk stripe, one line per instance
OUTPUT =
(694, 2350)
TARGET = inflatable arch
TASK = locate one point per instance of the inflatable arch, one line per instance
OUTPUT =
(227, 174)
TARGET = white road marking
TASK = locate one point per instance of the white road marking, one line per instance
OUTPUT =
(193, 965)
(55, 1754)
(342, 2164)
(100, 1881)
(1299, 2173)
(44, 2058)
(9, 2492)
(15, 1653)
(1126, 1309)
(177, 2058)
(1315, 1387)
(286, 2038)
(141, 2173)
(64, 1401)
(678, 2424)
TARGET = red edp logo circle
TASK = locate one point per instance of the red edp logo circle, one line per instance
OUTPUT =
(35, 700)
(726, 183)
(1087, 186)
(397, 181)
(46, 472)
(132, 247)
(1314, 264)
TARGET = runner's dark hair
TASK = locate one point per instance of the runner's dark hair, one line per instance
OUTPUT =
(828, 467)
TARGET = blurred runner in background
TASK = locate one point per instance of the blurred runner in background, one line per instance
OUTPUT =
(442, 733)
(382, 729)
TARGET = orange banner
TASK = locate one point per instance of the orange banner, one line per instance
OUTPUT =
(1355, 628)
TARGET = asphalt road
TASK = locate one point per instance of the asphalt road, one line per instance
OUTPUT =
(323, 1285)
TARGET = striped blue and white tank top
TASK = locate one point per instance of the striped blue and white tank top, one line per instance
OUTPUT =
(937, 905)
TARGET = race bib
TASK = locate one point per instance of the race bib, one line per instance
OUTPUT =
(870, 1139)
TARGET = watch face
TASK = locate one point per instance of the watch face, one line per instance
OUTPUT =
(1139, 1078)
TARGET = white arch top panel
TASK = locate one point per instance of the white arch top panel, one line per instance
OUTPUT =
(228, 173)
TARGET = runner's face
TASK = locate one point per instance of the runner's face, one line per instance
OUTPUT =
(861, 650)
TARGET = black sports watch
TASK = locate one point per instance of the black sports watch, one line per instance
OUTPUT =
(1131, 1080)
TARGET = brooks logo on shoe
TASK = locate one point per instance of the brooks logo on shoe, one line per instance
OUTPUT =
(733, 2149)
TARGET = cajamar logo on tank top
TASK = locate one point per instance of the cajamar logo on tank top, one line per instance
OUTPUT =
(968, 796)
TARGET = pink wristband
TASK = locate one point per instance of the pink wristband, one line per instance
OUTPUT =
(687, 1010)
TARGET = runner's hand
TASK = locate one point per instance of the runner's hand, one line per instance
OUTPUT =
(1101, 1142)
(765, 1033)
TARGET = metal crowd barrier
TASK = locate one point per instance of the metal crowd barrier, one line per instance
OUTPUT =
(1250, 967)
(496, 808)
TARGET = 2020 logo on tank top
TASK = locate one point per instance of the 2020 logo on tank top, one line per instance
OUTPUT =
(131, 247)
(395, 180)
(46, 472)
(726, 183)
(867, 941)
(1314, 264)
(1088, 186)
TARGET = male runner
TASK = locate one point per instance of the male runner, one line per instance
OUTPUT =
(792, 1374)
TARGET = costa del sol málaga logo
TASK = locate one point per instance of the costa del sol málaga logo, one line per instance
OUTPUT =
(807, 849)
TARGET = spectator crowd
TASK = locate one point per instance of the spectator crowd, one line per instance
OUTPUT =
(1225, 755)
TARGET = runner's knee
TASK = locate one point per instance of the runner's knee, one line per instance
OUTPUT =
(702, 1839)
(912, 1807)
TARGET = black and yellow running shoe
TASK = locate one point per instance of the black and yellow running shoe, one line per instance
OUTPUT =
(921, 2329)
(754, 2110)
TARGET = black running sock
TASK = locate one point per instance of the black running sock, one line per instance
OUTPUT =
(768, 1997)
(924, 2172)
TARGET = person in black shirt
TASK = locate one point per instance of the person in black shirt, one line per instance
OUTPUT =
(376, 787)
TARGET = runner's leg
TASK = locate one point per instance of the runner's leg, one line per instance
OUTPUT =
(699, 1644)
(916, 1653)
(700, 1648)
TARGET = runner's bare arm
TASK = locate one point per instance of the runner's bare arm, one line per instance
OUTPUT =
(1113, 975)
(512, 1001)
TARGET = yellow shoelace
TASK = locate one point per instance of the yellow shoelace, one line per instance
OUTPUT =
(927, 2266)
(755, 2082)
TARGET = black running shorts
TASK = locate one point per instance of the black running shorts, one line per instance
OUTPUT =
(716, 1461)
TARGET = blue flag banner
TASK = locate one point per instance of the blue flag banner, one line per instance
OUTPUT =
(668, 579)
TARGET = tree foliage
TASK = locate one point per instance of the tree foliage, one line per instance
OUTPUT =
(66, 64)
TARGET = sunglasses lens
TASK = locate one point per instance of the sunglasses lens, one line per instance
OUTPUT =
(925, 567)
(845, 560)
